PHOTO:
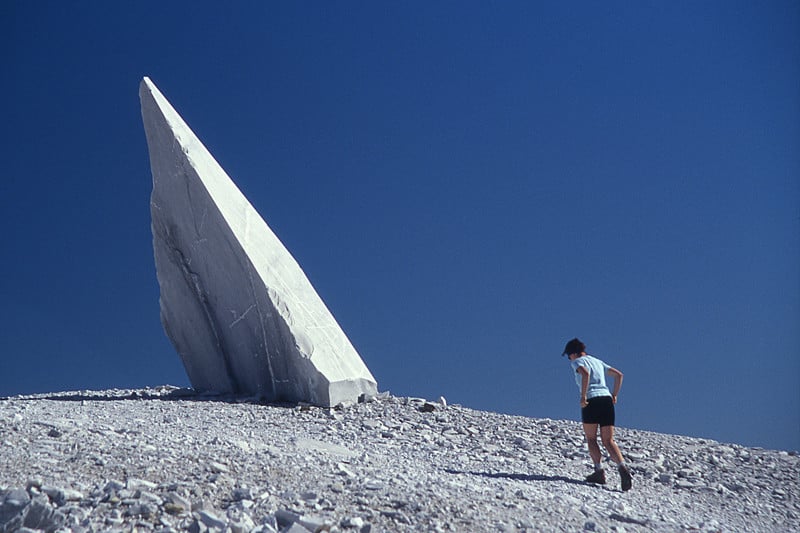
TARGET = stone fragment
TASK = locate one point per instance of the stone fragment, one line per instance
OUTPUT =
(519, 441)
(34, 482)
(285, 517)
(296, 528)
(243, 524)
(218, 468)
(352, 522)
(71, 495)
(264, 528)
(125, 494)
(54, 493)
(394, 514)
(113, 486)
(12, 504)
(16, 499)
(371, 424)
(61, 496)
(313, 523)
(150, 497)
(211, 520)
(39, 514)
(628, 519)
(173, 509)
(373, 485)
(135, 484)
(308, 495)
(428, 407)
(201, 505)
(179, 501)
(239, 310)
(197, 526)
(242, 493)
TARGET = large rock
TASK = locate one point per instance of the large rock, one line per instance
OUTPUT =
(235, 304)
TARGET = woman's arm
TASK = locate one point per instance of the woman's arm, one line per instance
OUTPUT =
(617, 382)
(584, 385)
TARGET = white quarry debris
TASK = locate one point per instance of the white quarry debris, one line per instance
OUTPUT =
(238, 308)
(164, 460)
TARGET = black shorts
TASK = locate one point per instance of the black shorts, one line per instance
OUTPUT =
(599, 411)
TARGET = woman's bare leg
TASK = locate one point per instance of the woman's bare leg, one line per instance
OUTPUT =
(590, 430)
(607, 434)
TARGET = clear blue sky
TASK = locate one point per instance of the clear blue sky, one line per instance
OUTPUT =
(467, 185)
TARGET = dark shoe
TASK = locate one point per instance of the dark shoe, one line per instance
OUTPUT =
(625, 477)
(599, 476)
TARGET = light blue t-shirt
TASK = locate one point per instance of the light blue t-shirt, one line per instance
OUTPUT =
(597, 375)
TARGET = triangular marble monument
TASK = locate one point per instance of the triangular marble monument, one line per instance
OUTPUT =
(236, 305)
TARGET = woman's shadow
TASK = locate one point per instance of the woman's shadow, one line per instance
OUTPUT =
(522, 477)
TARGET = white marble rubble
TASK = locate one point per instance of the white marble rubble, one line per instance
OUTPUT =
(236, 305)
(166, 460)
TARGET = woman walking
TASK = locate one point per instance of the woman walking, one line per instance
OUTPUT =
(597, 409)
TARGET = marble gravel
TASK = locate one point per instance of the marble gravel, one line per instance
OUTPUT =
(165, 459)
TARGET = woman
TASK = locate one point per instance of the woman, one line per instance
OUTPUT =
(597, 409)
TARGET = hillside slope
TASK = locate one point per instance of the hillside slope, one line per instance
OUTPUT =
(164, 459)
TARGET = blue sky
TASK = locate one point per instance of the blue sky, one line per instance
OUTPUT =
(467, 185)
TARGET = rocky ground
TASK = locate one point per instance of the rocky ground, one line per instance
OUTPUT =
(167, 460)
